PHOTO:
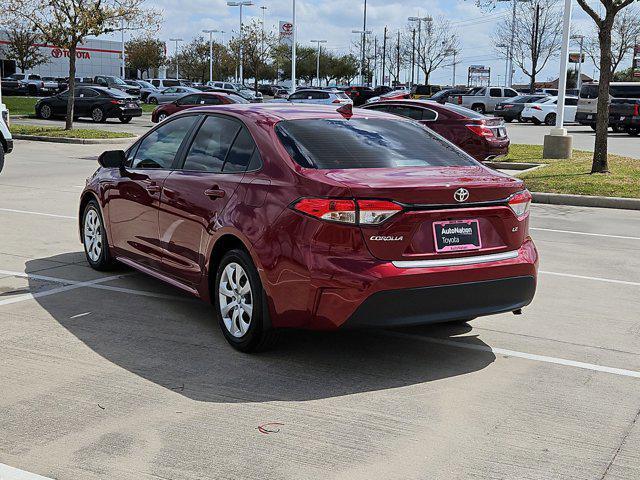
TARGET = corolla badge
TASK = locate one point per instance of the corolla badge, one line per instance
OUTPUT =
(461, 195)
(386, 238)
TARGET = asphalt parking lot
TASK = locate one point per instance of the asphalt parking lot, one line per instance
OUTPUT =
(117, 376)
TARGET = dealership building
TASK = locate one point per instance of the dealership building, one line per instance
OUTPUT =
(94, 57)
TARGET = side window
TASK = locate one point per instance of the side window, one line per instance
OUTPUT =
(159, 148)
(571, 102)
(210, 100)
(241, 152)
(481, 93)
(296, 96)
(189, 100)
(510, 93)
(170, 90)
(408, 112)
(228, 86)
(218, 85)
(495, 92)
(155, 83)
(429, 115)
(90, 93)
(211, 145)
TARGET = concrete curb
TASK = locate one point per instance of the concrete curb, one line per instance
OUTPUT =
(512, 165)
(586, 201)
(79, 141)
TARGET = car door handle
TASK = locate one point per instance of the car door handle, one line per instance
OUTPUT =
(214, 192)
(152, 188)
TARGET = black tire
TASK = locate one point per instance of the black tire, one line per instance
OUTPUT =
(32, 91)
(478, 107)
(536, 121)
(104, 260)
(259, 336)
(508, 120)
(45, 112)
(550, 120)
(97, 115)
(125, 119)
(521, 119)
(153, 101)
(1, 158)
(633, 131)
(618, 128)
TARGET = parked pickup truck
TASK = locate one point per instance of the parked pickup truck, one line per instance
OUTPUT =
(484, 99)
(624, 114)
(27, 84)
(110, 81)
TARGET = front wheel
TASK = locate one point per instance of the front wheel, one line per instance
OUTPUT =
(508, 120)
(45, 112)
(478, 108)
(153, 101)
(162, 116)
(240, 303)
(618, 128)
(633, 131)
(94, 238)
(125, 119)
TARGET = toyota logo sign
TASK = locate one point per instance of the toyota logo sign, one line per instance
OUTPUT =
(56, 53)
(287, 27)
(461, 195)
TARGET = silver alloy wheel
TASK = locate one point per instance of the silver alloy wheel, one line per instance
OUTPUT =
(97, 115)
(45, 111)
(162, 116)
(236, 299)
(93, 235)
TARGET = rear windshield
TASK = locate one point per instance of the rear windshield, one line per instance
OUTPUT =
(366, 143)
(467, 112)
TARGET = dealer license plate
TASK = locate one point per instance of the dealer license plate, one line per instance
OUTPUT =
(457, 235)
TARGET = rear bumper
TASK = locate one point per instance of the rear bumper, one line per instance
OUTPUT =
(584, 118)
(411, 293)
(419, 306)
(508, 114)
(125, 112)
(9, 143)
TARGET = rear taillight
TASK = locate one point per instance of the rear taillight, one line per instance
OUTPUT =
(336, 101)
(117, 102)
(459, 100)
(508, 106)
(481, 130)
(520, 203)
(363, 212)
(636, 110)
(536, 107)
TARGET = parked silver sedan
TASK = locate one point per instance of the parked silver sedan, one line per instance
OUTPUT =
(319, 96)
(170, 94)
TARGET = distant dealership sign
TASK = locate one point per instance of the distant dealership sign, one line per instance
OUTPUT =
(575, 58)
(636, 61)
(286, 33)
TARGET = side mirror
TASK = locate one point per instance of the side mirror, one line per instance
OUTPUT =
(112, 159)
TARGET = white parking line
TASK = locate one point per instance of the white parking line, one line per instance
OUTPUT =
(513, 353)
(572, 232)
(11, 210)
(585, 277)
(10, 473)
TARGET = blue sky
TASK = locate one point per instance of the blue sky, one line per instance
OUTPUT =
(334, 19)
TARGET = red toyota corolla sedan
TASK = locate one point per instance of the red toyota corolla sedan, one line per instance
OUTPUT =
(194, 100)
(482, 137)
(304, 216)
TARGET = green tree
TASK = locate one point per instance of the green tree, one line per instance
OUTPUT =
(258, 48)
(145, 54)
(68, 23)
(23, 47)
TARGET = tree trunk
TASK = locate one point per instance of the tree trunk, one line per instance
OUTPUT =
(600, 161)
(532, 84)
(72, 87)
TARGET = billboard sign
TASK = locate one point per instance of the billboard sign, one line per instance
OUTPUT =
(575, 58)
(286, 33)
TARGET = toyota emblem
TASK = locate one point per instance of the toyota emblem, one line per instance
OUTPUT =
(461, 195)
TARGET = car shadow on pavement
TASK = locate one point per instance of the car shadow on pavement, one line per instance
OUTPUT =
(177, 344)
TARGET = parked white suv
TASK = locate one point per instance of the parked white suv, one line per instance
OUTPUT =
(545, 111)
(6, 141)
(319, 96)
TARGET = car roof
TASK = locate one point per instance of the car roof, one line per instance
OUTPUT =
(276, 112)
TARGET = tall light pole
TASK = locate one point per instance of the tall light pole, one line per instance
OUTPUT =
(176, 54)
(509, 81)
(364, 40)
(122, 31)
(240, 4)
(506, 67)
(557, 144)
(293, 48)
(210, 32)
(318, 59)
(579, 80)
(364, 33)
(427, 20)
(454, 52)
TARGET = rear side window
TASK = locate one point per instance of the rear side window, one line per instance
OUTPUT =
(495, 92)
(171, 83)
(571, 101)
(625, 91)
(159, 148)
(211, 145)
(366, 143)
(241, 153)
(589, 92)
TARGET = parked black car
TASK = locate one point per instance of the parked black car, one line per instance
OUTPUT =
(97, 103)
(443, 96)
(511, 109)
